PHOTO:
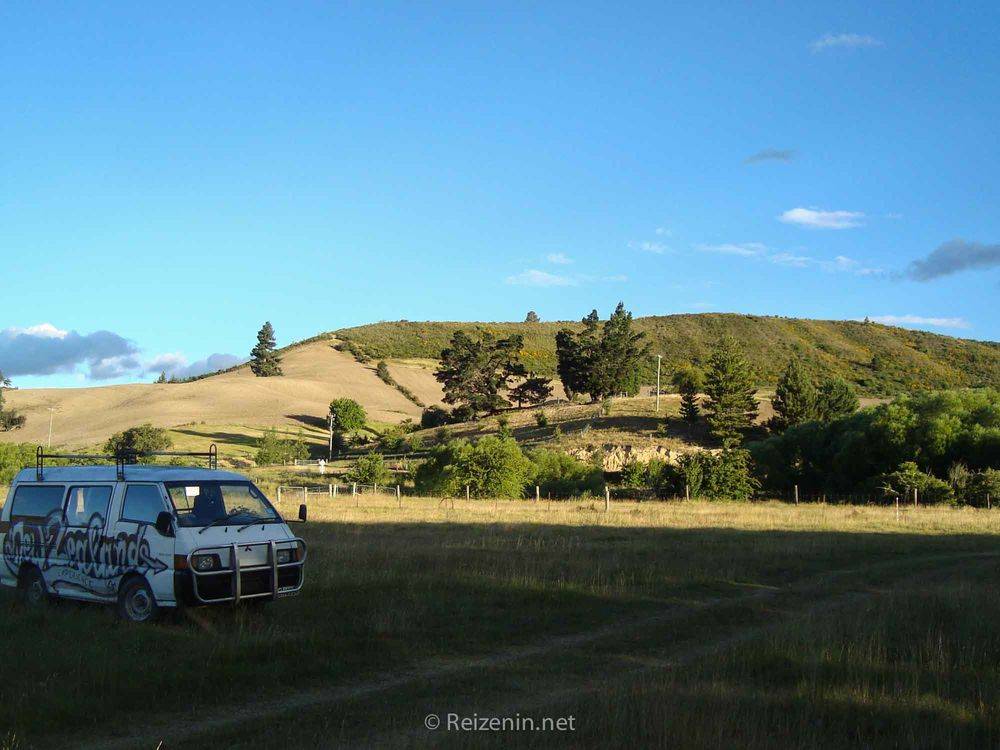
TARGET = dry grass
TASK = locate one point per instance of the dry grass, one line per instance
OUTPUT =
(315, 373)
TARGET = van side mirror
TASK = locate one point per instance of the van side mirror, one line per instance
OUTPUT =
(164, 524)
(303, 513)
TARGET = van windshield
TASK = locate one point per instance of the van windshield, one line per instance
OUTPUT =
(207, 503)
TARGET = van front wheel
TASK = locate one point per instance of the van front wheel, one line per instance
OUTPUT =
(136, 602)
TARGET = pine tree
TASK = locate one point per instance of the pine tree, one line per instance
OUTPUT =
(162, 378)
(576, 355)
(264, 361)
(532, 317)
(795, 398)
(473, 372)
(534, 390)
(619, 356)
(729, 384)
(837, 398)
(689, 381)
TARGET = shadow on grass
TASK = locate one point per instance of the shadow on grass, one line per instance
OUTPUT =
(382, 597)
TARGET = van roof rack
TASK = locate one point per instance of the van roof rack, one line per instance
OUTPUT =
(121, 459)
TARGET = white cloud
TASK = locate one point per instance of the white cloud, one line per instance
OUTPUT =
(746, 249)
(560, 259)
(656, 248)
(176, 365)
(45, 349)
(760, 251)
(664, 232)
(816, 218)
(42, 331)
(920, 320)
(534, 277)
(849, 41)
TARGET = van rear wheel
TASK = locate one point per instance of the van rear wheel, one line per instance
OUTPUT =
(136, 602)
(34, 592)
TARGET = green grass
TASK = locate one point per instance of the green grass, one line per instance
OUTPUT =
(913, 359)
(390, 590)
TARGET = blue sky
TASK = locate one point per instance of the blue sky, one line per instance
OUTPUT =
(173, 177)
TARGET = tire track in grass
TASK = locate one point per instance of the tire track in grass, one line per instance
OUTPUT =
(174, 729)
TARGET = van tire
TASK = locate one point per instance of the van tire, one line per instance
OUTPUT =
(136, 602)
(34, 592)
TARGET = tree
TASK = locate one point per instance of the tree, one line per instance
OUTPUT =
(474, 371)
(264, 361)
(729, 384)
(599, 362)
(532, 317)
(163, 377)
(9, 419)
(139, 441)
(492, 467)
(795, 398)
(534, 390)
(619, 355)
(370, 469)
(836, 398)
(689, 381)
(348, 415)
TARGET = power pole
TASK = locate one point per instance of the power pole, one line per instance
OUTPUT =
(52, 412)
(330, 449)
(659, 357)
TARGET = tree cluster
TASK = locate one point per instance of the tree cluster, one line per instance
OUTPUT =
(274, 449)
(863, 451)
(798, 398)
(601, 361)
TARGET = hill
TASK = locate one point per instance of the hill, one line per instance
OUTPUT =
(315, 373)
(881, 360)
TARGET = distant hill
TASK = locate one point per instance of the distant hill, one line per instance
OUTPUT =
(881, 360)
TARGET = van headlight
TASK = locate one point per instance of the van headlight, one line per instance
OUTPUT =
(285, 556)
(202, 563)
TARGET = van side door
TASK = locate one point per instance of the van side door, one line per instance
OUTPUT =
(150, 553)
(80, 568)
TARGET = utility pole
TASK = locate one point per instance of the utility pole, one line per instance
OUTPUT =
(659, 357)
(330, 449)
(52, 412)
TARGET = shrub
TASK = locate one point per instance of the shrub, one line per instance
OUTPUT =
(13, 458)
(541, 418)
(725, 475)
(141, 440)
(370, 469)
(492, 467)
(434, 416)
(273, 449)
(562, 475)
(634, 474)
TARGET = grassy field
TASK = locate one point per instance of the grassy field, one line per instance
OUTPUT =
(906, 359)
(673, 624)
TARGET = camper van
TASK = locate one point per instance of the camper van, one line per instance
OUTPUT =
(145, 537)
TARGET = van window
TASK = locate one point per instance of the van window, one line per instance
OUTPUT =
(143, 503)
(84, 503)
(36, 501)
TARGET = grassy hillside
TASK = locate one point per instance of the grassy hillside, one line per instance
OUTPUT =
(879, 359)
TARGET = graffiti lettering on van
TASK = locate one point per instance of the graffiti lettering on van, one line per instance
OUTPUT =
(82, 549)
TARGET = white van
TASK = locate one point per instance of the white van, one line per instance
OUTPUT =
(145, 537)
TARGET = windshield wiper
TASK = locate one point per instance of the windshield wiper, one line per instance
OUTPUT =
(254, 522)
(218, 521)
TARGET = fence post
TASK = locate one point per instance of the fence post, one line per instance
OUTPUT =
(989, 505)
(305, 494)
(334, 490)
(687, 491)
(607, 498)
(538, 493)
(466, 492)
(796, 494)
(914, 497)
(279, 493)
(399, 497)
(375, 488)
(329, 490)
